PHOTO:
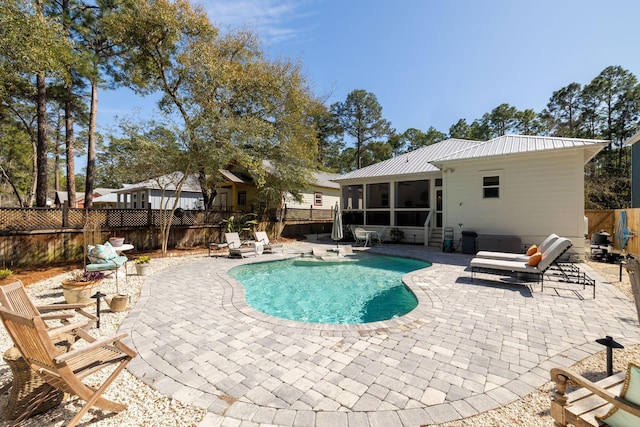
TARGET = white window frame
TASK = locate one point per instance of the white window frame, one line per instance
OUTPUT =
(499, 187)
(317, 198)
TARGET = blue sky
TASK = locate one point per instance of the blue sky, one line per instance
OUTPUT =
(431, 63)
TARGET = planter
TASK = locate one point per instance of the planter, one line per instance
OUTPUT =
(116, 241)
(141, 268)
(118, 303)
(79, 292)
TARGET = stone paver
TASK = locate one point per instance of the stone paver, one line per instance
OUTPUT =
(468, 347)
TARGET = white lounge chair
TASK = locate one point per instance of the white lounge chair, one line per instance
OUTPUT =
(235, 246)
(262, 237)
(361, 236)
(508, 256)
(510, 268)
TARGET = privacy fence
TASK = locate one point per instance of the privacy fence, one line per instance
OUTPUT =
(37, 236)
(618, 223)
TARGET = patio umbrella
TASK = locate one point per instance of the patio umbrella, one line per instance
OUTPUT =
(336, 230)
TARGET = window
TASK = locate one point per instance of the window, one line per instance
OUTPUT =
(352, 197)
(242, 198)
(317, 199)
(412, 194)
(491, 186)
(135, 202)
(378, 195)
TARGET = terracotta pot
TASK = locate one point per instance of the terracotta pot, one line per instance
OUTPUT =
(116, 241)
(75, 292)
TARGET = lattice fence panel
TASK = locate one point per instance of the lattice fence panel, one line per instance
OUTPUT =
(78, 218)
(30, 218)
(127, 217)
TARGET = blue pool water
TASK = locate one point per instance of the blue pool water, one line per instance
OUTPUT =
(368, 289)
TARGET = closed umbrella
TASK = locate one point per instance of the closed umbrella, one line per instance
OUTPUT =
(336, 230)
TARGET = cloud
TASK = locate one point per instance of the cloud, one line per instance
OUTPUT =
(273, 20)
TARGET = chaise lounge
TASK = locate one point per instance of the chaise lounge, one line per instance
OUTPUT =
(262, 237)
(511, 268)
(509, 256)
(236, 248)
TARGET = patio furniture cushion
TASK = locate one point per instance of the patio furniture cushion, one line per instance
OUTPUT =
(617, 417)
(101, 254)
(535, 259)
(533, 249)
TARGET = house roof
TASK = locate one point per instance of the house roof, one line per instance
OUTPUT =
(416, 161)
(106, 198)
(635, 138)
(168, 181)
(325, 179)
(519, 144)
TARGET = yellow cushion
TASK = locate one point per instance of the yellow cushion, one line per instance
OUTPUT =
(535, 259)
(532, 250)
(630, 392)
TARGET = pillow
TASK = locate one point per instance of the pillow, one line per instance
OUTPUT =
(101, 254)
(630, 391)
(532, 250)
(535, 259)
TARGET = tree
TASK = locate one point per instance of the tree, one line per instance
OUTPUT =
(563, 111)
(229, 103)
(361, 118)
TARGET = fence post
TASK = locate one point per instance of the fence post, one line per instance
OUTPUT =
(149, 215)
(65, 214)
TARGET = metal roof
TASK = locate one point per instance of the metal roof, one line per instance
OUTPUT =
(416, 161)
(518, 144)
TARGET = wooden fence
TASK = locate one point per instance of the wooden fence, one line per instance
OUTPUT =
(609, 221)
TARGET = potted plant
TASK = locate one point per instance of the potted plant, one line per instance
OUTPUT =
(142, 264)
(81, 286)
(396, 234)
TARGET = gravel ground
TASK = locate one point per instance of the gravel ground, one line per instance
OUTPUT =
(147, 407)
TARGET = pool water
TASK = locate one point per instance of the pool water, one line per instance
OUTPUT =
(367, 289)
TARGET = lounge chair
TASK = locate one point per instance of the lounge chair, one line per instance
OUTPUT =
(236, 248)
(510, 268)
(14, 297)
(508, 256)
(262, 237)
(66, 371)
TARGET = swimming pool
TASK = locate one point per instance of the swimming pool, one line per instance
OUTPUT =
(366, 289)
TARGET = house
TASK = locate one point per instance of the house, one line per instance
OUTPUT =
(635, 169)
(62, 196)
(515, 185)
(237, 192)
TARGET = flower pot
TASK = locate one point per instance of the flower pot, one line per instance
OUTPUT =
(116, 241)
(141, 268)
(79, 292)
(118, 303)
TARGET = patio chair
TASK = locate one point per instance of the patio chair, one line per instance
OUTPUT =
(361, 236)
(261, 236)
(235, 246)
(105, 258)
(508, 256)
(612, 400)
(14, 297)
(510, 268)
(66, 371)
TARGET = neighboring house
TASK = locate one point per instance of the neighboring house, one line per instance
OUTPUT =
(526, 186)
(237, 192)
(635, 169)
(62, 196)
(160, 193)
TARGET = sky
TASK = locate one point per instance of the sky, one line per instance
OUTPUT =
(430, 63)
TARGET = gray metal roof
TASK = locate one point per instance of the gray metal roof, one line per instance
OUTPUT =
(416, 161)
(517, 144)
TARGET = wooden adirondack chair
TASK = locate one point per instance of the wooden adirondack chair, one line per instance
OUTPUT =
(14, 297)
(66, 371)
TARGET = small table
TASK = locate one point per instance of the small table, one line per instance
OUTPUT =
(119, 250)
(258, 247)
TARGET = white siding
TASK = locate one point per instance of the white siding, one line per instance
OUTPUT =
(540, 194)
(329, 198)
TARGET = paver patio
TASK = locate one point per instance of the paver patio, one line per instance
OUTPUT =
(467, 348)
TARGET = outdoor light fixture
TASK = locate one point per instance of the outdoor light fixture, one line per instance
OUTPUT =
(610, 344)
(98, 296)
